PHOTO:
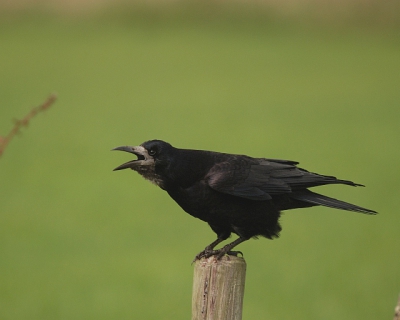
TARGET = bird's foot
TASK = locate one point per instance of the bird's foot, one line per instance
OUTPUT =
(234, 253)
(228, 253)
(206, 253)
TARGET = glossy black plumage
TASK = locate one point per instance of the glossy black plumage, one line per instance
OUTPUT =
(232, 193)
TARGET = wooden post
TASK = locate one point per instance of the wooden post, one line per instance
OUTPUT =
(218, 288)
(397, 310)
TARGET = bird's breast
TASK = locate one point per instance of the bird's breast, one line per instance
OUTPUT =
(199, 200)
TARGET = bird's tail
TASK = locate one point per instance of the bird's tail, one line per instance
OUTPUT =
(318, 199)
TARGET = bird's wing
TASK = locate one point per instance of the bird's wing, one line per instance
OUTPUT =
(253, 179)
(259, 179)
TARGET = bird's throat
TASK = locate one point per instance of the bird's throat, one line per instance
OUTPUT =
(149, 173)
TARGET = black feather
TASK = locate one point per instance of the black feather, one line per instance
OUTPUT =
(319, 199)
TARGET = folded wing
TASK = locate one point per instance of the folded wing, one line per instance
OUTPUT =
(261, 179)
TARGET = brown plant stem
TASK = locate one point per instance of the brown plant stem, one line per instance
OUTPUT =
(18, 124)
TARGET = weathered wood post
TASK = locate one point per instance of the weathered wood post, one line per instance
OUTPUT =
(397, 310)
(218, 288)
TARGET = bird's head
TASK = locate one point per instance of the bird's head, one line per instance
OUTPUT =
(148, 155)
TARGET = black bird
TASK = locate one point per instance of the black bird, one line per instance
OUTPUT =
(232, 193)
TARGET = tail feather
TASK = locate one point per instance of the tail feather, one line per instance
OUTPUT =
(319, 199)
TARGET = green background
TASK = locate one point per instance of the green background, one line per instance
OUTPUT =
(78, 241)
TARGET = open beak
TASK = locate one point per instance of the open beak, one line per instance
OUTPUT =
(142, 157)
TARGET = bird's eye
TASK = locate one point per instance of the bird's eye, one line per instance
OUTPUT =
(152, 152)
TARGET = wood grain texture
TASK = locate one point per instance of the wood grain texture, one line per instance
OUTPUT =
(218, 288)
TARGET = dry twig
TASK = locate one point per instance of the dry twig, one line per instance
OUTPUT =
(18, 124)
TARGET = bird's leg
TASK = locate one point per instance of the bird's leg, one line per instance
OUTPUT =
(208, 251)
(227, 249)
(212, 245)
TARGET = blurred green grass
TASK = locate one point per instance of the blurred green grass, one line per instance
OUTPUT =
(78, 241)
